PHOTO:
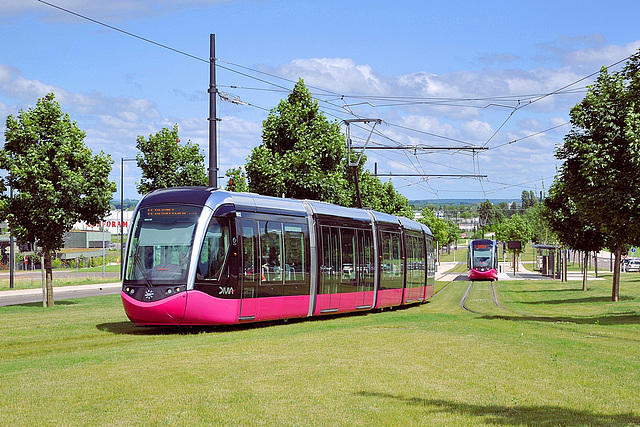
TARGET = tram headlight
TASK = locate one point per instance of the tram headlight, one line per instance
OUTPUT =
(171, 291)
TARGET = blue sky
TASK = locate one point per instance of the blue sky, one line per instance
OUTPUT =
(438, 74)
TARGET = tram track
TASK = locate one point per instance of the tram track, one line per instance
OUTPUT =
(463, 301)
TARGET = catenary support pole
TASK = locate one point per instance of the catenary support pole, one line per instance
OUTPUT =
(213, 90)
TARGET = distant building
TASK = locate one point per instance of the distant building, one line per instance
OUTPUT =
(86, 239)
(111, 223)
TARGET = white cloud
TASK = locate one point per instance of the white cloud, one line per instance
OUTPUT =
(587, 52)
(476, 130)
(340, 75)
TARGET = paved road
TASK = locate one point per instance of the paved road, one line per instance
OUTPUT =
(26, 296)
(58, 274)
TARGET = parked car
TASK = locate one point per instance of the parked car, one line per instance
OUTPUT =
(634, 265)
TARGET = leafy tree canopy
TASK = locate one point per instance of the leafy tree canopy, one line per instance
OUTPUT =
(529, 199)
(489, 215)
(515, 228)
(444, 230)
(237, 180)
(601, 159)
(303, 156)
(165, 163)
(55, 178)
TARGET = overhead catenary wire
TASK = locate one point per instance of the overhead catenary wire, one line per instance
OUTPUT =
(375, 101)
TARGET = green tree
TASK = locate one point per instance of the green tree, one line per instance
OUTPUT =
(573, 226)
(601, 159)
(515, 228)
(379, 196)
(56, 179)
(304, 156)
(490, 216)
(165, 163)
(437, 226)
(444, 231)
(528, 199)
(237, 180)
(504, 208)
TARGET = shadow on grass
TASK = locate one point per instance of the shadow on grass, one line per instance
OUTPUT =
(129, 328)
(39, 304)
(512, 415)
(629, 318)
(533, 291)
(594, 299)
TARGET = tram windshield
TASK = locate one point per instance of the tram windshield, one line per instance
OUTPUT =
(481, 255)
(161, 244)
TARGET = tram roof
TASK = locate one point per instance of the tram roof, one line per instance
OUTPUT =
(323, 208)
(194, 195)
(385, 218)
(410, 224)
(249, 202)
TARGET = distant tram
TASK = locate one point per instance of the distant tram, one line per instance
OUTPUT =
(198, 256)
(482, 260)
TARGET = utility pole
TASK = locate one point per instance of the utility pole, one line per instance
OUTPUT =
(213, 120)
(354, 165)
(407, 147)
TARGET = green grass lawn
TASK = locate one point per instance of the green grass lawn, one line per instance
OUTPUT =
(553, 355)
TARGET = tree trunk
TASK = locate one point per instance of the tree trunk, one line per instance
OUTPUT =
(585, 270)
(615, 291)
(49, 276)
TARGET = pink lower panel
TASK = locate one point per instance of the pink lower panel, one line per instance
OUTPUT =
(414, 295)
(295, 306)
(428, 292)
(409, 295)
(343, 302)
(389, 298)
(169, 311)
(281, 307)
(203, 309)
(483, 275)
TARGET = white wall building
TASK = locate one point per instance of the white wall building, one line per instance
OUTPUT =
(111, 223)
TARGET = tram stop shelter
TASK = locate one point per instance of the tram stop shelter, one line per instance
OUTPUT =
(549, 261)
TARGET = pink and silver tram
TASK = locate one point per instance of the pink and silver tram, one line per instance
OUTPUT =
(198, 256)
(482, 260)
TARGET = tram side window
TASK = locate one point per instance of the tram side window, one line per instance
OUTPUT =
(215, 250)
(331, 268)
(271, 251)
(348, 281)
(391, 266)
(411, 261)
(295, 254)
(249, 257)
(325, 266)
(431, 266)
(365, 262)
(415, 259)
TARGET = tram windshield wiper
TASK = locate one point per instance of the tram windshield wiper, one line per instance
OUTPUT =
(138, 263)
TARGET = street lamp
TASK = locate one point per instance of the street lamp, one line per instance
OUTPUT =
(122, 160)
